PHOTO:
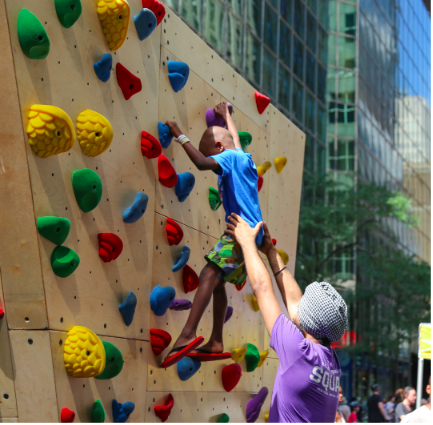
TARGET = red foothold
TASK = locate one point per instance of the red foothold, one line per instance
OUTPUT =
(274, 241)
(231, 375)
(156, 7)
(260, 183)
(190, 279)
(110, 246)
(150, 146)
(67, 415)
(2, 313)
(262, 102)
(167, 174)
(159, 340)
(128, 82)
(239, 288)
(174, 232)
(163, 412)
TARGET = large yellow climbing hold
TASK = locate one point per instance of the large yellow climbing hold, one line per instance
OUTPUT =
(50, 130)
(263, 356)
(261, 169)
(284, 256)
(255, 304)
(83, 353)
(94, 132)
(238, 354)
(266, 417)
(114, 16)
(280, 163)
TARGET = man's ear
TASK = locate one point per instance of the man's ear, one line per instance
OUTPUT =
(220, 146)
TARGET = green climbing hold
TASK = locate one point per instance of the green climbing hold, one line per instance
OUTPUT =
(87, 188)
(32, 36)
(68, 11)
(98, 412)
(214, 199)
(55, 229)
(223, 419)
(252, 357)
(64, 261)
(246, 139)
(113, 362)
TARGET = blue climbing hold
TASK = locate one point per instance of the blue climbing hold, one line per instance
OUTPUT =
(187, 367)
(103, 67)
(178, 73)
(164, 135)
(137, 209)
(181, 305)
(182, 259)
(121, 411)
(161, 299)
(145, 23)
(127, 309)
(184, 186)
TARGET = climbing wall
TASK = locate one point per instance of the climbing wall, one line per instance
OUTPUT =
(40, 307)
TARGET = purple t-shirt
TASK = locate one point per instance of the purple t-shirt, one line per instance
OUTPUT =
(308, 377)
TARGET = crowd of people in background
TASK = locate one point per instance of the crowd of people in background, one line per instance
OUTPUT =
(398, 408)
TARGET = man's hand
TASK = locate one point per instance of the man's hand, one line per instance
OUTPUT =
(241, 230)
(222, 110)
(174, 128)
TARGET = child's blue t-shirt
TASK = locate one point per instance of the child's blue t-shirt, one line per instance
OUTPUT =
(238, 184)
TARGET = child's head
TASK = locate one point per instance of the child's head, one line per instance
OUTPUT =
(215, 140)
(354, 406)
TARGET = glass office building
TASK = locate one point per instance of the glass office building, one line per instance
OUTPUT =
(280, 47)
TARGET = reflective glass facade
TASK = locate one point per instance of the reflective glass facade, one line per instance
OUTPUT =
(280, 47)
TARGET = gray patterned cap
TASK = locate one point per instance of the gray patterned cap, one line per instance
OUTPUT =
(323, 312)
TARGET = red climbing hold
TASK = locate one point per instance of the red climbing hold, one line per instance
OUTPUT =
(159, 340)
(163, 412)
(239, 288)
(190, 279)
(167, 174)
(150, 147)
(2, 313)
(128, 82)
(110, 246)
(274, 241)
(156, 7)
(262, 102)
(260, 183)
(67, 415)
(231, 375)
(174, 232)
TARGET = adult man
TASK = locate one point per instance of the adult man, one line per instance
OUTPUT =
(307, 382)
(423, 414)
(405, 407)
(376, 411)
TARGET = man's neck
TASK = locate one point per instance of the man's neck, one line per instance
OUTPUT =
(428, 405)
(406, 403)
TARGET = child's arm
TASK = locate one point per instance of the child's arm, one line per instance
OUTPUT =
(198, 159)
(223, 111)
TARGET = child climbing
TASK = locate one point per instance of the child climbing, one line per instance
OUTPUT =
(220, 151)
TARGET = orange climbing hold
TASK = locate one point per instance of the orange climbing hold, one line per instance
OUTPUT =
(167, 173)
(174, 232)
(280, 163)
(163, 412)
(262, 102)
(159, 340)
(190, 279)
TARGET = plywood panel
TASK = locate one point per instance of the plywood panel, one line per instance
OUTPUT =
(269, 374)
(19, 253)
(9, 420)
(79, 394)
(66, 79)
(181, 41)
(34, 376)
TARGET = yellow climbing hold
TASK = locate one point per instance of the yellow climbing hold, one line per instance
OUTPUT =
(263, 356)
(283, 255)
(255, 304)
(50, 130)
(83, 353)
(114, 17)
(238, 354)
(280, 163)
(266, 417)
(261, 169)
(94, 132)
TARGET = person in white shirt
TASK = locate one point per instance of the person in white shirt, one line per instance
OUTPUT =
(421, 415)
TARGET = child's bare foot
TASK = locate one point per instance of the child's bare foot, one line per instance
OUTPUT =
(181, 341)
(212, 347)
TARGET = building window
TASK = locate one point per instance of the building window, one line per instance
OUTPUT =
(270, 28)
(269, 73)
(298, 58)
(310, 71)
(299, 18)
(297, 94)
(346, 52)
(284, 87)
(252, 57)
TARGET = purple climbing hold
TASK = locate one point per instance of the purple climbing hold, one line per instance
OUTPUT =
(255, 405)
(180, 305)
(212, 119)
(229, 313)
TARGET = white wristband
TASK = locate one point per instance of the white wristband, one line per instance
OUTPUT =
(180, 138)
